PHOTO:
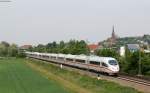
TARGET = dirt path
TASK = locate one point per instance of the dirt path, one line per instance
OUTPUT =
(68, 85)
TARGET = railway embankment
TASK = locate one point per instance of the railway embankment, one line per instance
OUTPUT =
(77, 82)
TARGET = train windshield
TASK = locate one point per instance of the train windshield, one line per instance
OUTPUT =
(113, 62)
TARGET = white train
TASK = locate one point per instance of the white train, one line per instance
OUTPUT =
(101, 64)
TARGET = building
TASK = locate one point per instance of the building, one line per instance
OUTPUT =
(93, 47)
(122, 51)
(147, 51)
(130, 47)
(133, 47)
(25, 47)
(112, 40)
(113, 36)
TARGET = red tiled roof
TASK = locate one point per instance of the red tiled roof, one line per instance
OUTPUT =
(93, 46)
(26, 46)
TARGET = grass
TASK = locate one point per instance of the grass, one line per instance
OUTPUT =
(76, 82)
(17, 77)
(31, 76)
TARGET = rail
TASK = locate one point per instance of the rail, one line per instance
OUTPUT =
(134, 80)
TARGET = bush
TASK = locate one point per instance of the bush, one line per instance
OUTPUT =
(21, 54)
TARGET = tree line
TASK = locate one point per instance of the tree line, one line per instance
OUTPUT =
(71, 47)
(128, 64)
(10, 50)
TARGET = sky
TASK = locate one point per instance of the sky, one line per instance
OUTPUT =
(42, 21)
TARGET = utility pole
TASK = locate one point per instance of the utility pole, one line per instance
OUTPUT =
(139, 71)
(87, 56)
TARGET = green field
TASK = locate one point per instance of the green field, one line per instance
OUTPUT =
(17, 77)
(31, 76)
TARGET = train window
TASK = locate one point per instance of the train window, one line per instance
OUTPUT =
(53, 57)
(60, 58)
(94, 63)
(104, 64)
(81, 61)
(112, 62)
(45, 56)
(68, 59)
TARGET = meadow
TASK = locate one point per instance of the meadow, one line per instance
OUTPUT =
(17, 77)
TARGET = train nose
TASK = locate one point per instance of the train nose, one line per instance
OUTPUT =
(118, 68)
(115, 69)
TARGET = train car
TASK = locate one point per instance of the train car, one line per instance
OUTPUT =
(101, 64)
(95, 63)
(70, 59)
(81, 61)
(61, 57)
(104, 64)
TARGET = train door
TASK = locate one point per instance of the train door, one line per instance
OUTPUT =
(104, 67)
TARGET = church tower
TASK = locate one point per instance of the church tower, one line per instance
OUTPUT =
(113, 33)
(113, 36)
(113, 39)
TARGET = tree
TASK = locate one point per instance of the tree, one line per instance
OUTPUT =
(131, 64)
(6, 44)
(40, 48)
(13, 50)
(3, 50)
(107, 53)
(146, 64)
(71, 47)
(61, 47)
(7, 50)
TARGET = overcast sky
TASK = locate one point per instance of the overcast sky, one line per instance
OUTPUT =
(43, 21)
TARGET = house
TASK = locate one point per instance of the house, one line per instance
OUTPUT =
(122, 51)
(25, 47)
(147, 51)
(93, 47)
(133, 47)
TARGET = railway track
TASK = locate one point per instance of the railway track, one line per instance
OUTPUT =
(135, 80)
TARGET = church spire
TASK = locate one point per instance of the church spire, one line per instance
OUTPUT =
(113, 33)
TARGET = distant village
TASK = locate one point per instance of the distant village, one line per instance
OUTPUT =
(131, 43)
(119, 44)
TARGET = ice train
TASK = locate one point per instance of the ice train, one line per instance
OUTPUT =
(107, 65)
